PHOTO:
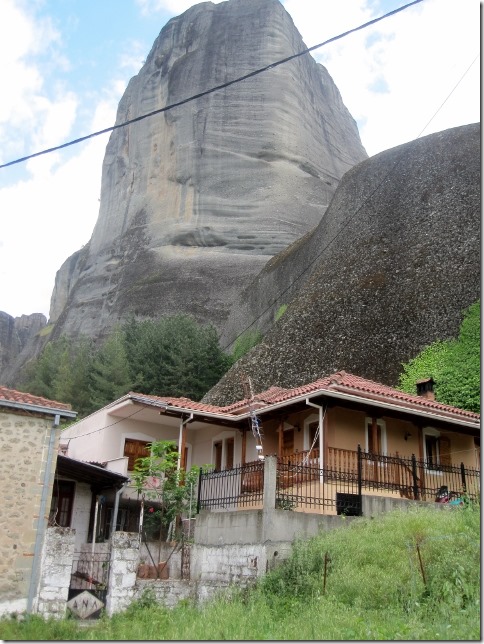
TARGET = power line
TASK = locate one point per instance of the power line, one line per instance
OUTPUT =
(211, 90)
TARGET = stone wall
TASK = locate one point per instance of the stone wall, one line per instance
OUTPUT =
(24, 444)
(55, 578)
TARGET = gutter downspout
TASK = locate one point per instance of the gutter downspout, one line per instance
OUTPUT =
(180, 438)
(321, 439)
(41, 522)
(116, 507)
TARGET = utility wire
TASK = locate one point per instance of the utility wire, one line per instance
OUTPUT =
(211, 90)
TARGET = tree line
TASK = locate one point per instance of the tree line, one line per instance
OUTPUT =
(172, 356)
(175, 356)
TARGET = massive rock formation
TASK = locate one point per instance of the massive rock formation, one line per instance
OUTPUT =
(389, 269)
(16, 336)
(196, 199)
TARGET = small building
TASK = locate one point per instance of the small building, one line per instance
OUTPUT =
(324, 424)
(29, 436)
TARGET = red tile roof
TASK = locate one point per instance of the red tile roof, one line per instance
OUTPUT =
(22, 398)
(340, 382)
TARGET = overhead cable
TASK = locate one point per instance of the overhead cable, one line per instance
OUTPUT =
(211, 90)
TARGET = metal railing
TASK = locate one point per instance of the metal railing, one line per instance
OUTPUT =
(238, 487)
(302, 484)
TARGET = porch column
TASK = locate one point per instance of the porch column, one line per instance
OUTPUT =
(373, 446)
(280, 438)
(244, 447)
(183, 459)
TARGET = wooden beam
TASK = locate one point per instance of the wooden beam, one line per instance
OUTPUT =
(244, 446)
(281, 437)
(183, 459)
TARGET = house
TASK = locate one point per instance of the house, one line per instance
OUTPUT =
(335, 424)
(80, 494)
(29, 435)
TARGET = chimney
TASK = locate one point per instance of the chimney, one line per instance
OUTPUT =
(425, 388)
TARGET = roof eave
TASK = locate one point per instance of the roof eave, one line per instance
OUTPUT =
(39, 409)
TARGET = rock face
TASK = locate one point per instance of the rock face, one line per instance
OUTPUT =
(195, 200)
(15, 335)
(389, 270)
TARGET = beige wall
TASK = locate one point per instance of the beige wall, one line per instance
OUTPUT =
(101, 436)
(24, 442)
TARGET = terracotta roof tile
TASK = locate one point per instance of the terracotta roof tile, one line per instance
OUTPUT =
(22, 398)
(340, 381)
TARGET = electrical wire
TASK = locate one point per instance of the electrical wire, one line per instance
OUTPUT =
(212, 89)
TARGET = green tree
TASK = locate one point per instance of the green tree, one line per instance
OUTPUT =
(453, 364)
(109, 378)
(174, 356)
(158, 479)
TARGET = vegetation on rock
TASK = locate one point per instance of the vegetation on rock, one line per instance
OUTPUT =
(454, 365)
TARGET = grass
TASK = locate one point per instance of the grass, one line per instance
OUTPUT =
(403, 576)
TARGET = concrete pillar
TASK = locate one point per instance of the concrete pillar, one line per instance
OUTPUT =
(125, 553)
(55, 574)
(270, 474)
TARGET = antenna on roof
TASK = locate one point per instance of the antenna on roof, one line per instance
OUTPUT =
(255, 423)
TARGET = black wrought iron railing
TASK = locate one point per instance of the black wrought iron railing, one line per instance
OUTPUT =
(238, 487)
(338, 487)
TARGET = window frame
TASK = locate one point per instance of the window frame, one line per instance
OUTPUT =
(57, 500)
(383, 434)
(436, 434)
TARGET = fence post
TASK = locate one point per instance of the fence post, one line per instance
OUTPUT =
(199, 490)
(359, 470)
(270, 477)
(415, 477)
(463, 477)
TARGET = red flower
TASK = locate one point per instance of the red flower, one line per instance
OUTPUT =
(151, 510)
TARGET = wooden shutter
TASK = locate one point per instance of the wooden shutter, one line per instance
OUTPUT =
(135, 449)
(445, 450)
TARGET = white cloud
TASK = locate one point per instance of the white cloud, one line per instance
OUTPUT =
(48, 214)
(174, 7)
(417, 56)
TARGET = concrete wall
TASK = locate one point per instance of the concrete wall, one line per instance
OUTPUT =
(24, 445)
(55, 577)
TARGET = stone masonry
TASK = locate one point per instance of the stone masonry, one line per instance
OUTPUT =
(24, 443)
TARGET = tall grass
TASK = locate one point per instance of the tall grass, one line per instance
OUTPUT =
(404, 576)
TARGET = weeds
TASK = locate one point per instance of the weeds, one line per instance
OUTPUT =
(363, 582)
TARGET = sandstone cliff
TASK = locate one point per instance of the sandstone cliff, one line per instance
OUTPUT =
(16, 336)
(195, 200)
(388, 270)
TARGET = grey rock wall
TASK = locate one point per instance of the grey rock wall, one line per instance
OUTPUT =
(195, 200)
(15, 335)
(390, 269)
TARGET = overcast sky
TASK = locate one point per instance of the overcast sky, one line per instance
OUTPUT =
(66, 63)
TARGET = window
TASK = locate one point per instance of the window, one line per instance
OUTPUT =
(134, 449)
(288, 442)
(224, 452)
(437, 449)
(61, 504)
(229, 453)
(375, 436)
(218, 447)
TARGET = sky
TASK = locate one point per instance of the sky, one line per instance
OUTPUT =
(66, 64)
